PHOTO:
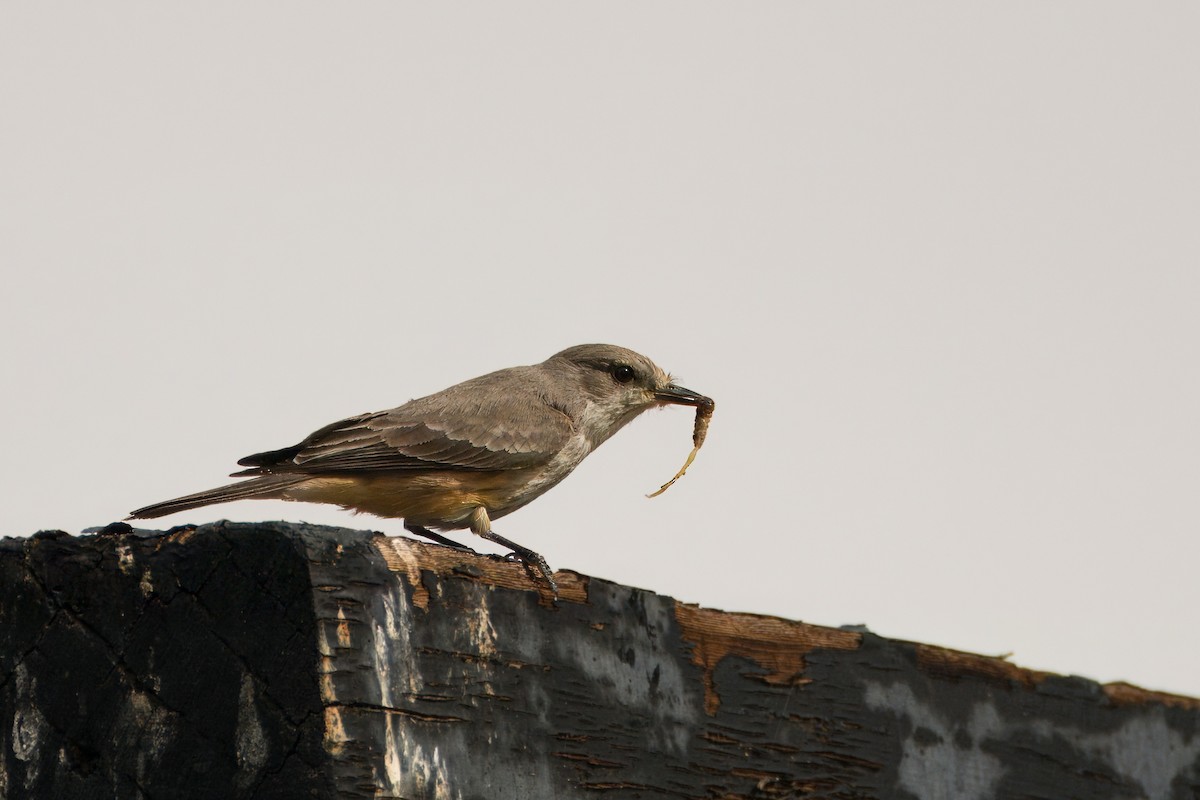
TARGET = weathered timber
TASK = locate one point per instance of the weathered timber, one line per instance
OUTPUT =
(288, 661)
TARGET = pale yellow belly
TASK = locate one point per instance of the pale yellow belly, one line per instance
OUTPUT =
(442, 500)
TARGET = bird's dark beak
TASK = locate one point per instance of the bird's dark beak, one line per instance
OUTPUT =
(680, 396)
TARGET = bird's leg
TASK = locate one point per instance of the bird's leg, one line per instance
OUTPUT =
(481, 525)
(530, 558)
(436, 537)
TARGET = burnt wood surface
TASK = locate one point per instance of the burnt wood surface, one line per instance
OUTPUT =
(278, 660)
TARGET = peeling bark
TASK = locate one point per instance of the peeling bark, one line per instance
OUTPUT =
(278, 660)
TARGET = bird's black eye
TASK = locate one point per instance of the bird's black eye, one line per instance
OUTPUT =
(623, 373)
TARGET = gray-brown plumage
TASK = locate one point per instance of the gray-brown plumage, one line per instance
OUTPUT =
(465, 455)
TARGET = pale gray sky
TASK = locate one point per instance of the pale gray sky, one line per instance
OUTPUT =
(936, 262)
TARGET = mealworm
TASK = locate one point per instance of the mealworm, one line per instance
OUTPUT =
(704, 412)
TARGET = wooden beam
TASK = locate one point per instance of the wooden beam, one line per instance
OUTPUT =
(280, 660)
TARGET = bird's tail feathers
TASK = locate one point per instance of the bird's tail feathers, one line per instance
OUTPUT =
(265, 487)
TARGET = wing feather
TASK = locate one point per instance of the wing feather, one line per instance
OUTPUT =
(489, 423)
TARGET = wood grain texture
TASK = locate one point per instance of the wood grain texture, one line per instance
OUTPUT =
(278, 660)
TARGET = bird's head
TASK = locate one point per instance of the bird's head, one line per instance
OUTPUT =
(616, 384)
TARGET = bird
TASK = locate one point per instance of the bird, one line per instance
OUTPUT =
(465, 456)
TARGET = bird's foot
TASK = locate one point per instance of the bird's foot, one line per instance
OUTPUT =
(532, 559)
(534, 563)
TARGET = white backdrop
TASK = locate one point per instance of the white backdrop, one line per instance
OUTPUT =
(936, 262)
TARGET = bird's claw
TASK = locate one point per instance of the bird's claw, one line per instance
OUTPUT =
(537, 566)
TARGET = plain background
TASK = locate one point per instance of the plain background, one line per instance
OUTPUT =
(936, 262)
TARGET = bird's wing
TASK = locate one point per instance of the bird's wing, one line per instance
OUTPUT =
(450, 430)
